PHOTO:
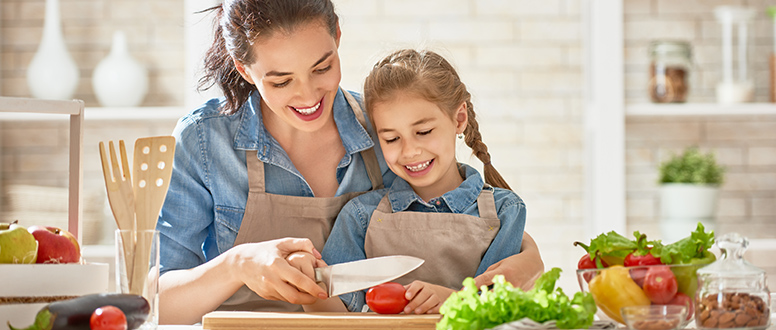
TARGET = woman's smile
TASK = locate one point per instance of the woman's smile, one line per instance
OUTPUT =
(309, 113)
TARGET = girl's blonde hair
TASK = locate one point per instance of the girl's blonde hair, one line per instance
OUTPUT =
(428, 75)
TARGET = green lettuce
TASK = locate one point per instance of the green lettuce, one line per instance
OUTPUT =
(686, 250)
(480, 309)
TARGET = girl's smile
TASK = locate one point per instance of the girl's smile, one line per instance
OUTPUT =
(419, 169)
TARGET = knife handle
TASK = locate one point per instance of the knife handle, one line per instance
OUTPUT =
(323, 278)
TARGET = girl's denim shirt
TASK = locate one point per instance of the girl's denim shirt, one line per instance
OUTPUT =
(208, 189)
(346, 242)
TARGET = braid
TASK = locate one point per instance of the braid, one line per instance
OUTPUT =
(473, 139)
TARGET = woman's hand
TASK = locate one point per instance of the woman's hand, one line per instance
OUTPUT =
(425, 298)
(264, 268)
(521, 269)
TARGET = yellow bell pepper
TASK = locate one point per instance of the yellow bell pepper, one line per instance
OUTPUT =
(614, 289)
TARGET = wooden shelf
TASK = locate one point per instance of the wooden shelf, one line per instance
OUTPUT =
(700, 109)
(100, 113)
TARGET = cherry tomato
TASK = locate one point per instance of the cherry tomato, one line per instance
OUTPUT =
(386, 298)
(635, 259)
(108, 318)
(586, 263)
(660, 284)
(684, 300)
(637, 274)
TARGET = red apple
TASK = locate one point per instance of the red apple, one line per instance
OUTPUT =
(55, 245)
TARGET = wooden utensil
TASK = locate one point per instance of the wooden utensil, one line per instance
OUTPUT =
(153, 167)
(121, 198)
(305, 321)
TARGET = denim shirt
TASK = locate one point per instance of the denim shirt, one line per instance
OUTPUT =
(209, 186)
(346, 242)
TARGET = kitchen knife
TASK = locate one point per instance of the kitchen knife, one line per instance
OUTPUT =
(363, 274)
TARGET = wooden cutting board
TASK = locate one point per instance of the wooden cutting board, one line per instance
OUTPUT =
(305, 321)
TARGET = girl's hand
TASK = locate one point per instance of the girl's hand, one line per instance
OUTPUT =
(264, 269)
(425, 298)
(304, 262)
(522, 269)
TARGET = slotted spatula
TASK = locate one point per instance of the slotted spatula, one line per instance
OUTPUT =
(152, 170)
(121, 197)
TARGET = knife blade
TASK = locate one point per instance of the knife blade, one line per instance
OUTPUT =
(363, 274)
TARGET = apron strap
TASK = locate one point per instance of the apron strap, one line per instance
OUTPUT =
(486, 203)
(369, 157)
(384, 205)
(255, 172)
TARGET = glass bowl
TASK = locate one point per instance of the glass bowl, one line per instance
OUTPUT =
(655, 317)
(616, 287)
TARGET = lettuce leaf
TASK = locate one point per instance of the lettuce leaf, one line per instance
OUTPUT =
(612, 244)
(683, 251)
(473, 309)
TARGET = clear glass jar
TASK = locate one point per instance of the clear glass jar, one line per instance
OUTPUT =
(732, 293)
(669, 70)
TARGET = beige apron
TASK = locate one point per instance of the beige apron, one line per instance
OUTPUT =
(452, 244)
(269, 216)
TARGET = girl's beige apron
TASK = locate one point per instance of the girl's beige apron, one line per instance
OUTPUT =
(269, 216)
(452, 244)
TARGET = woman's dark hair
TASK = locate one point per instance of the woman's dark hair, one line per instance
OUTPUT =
(428, 75)
(238, 23)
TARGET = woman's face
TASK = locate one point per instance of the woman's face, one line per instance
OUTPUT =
(297, 75)
(418, 142)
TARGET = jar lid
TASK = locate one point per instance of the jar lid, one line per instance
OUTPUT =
(732, 262)
(670, 47)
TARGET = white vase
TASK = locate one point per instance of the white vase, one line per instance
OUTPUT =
(119, 80)
(52, 74)
(682, 206)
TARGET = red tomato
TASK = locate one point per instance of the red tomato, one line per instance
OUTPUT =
(387, 298)
(586, 263)
(660, 284)
(683, 299)
(108, 318)
(635, 259)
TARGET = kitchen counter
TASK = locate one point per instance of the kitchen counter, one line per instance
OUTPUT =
(304, 321)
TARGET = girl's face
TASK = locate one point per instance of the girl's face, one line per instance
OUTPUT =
(418, 141)
(297, 75)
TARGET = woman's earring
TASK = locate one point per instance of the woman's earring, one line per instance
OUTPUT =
(460, 136)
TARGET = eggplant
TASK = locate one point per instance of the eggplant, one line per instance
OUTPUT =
(74, 314)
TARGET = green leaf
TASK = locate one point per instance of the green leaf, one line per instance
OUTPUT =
(611, 244)
(695, 246)
(470, 309)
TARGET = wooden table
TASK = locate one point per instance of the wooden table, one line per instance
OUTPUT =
(304, 321)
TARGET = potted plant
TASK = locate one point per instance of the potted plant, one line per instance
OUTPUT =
(689, 185)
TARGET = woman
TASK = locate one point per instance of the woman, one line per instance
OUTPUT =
(277, 158)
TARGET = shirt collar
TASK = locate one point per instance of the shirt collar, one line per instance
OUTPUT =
(402, 196)
(252, 135)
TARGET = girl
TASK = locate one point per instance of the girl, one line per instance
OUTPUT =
(278, 157)
(437, 209)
